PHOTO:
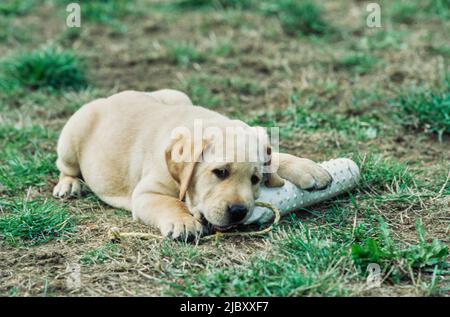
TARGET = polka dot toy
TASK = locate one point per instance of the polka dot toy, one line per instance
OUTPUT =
(289, 198)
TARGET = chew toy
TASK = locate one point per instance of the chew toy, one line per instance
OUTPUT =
(289, 198)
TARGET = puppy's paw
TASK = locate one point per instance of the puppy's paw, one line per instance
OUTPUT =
(67, 186)
(310, 176)
(183, 227)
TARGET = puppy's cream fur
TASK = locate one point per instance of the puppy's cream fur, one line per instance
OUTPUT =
(123, 148)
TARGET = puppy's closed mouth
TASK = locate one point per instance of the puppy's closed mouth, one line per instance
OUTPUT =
(224, 228)
(214, 228)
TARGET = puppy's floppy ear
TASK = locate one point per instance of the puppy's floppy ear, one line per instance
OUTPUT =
(182, 155)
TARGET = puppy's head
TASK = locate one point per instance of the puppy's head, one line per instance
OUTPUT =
(220, 175)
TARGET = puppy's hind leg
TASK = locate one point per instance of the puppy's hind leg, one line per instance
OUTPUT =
(69, 184)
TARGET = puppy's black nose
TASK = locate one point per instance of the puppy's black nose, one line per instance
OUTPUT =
(237, 212)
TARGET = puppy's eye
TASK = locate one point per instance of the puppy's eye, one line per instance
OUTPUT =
(221, 173)
(255, 179)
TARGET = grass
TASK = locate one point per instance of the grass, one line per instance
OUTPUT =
(243, 86)
(10, 33)
(415, 11)
(16, 7)
(199, 92)
(183, 54)
(48, 68)
(384, 39)
(34, 221)
(310, 260)
(404, 11)
(23, 161)
(16, 140)
(443, 50)
(302, 263)
(99, 255)
(358, 63)
(399, 260)
(213, 4)
(416, 256)
(378, 174)
(298, 17)
(217, 84)
(439, 8)
(106, 10)
(425, 110)
(17, 173)
(300, 117)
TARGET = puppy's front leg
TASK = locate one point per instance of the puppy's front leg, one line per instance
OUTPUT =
(304, 173)
(167, 213)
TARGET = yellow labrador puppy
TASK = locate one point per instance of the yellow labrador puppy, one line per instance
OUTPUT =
(139, 151)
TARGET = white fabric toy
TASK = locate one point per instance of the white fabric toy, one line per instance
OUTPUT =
(289, 198)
